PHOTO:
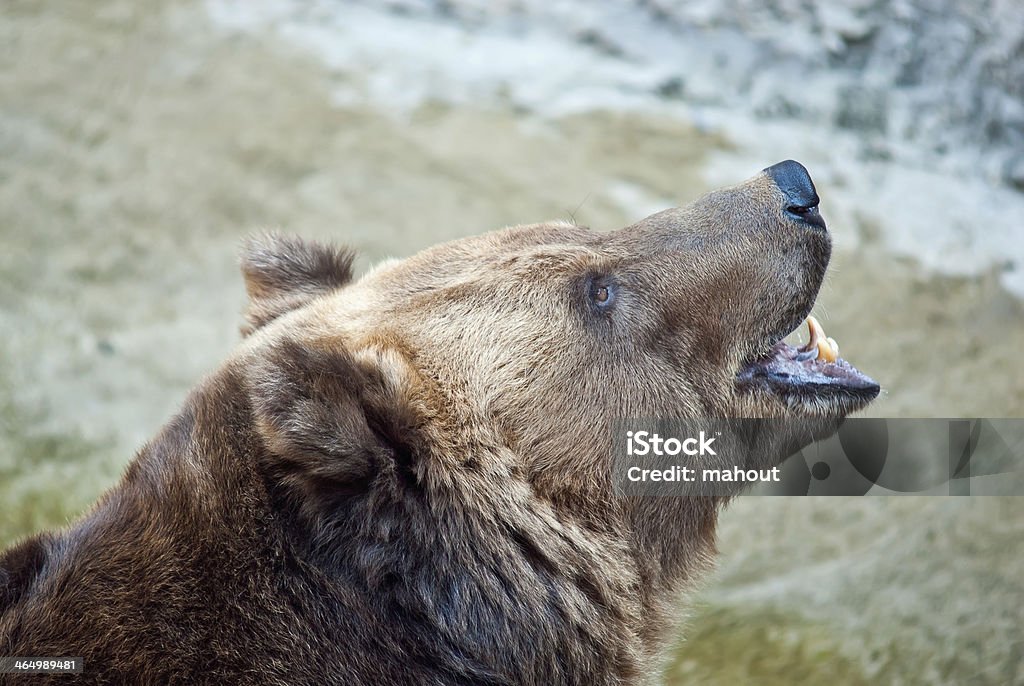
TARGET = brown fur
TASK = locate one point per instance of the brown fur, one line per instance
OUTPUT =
(405, 479)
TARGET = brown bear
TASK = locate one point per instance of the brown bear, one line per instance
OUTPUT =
(405, 478)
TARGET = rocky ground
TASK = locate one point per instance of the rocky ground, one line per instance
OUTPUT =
(140, 141)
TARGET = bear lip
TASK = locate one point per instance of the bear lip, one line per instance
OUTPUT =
(838, 387)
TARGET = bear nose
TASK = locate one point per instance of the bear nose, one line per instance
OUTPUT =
(801, 199)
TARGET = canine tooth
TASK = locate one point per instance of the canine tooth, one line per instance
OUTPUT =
(826, 348)
(814, 332)
(825, 352)
(814, 327)
(835, 346)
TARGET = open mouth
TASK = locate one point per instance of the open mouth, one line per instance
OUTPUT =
(812, 376)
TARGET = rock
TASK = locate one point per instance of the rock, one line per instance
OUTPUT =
(1013, 172)
(861, 108)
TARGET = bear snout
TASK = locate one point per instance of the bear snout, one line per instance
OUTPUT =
(796, 185)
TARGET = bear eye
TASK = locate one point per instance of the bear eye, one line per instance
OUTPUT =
(602, 294)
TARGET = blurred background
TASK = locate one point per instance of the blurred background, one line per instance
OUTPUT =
(140, 140)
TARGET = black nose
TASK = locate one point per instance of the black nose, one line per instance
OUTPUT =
(801, 199)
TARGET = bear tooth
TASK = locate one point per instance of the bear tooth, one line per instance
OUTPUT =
(813, 330)
(835, 346)
(825, 352)
(827, 349)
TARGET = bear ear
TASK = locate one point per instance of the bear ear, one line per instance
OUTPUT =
(329, 423)
(284, 272)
